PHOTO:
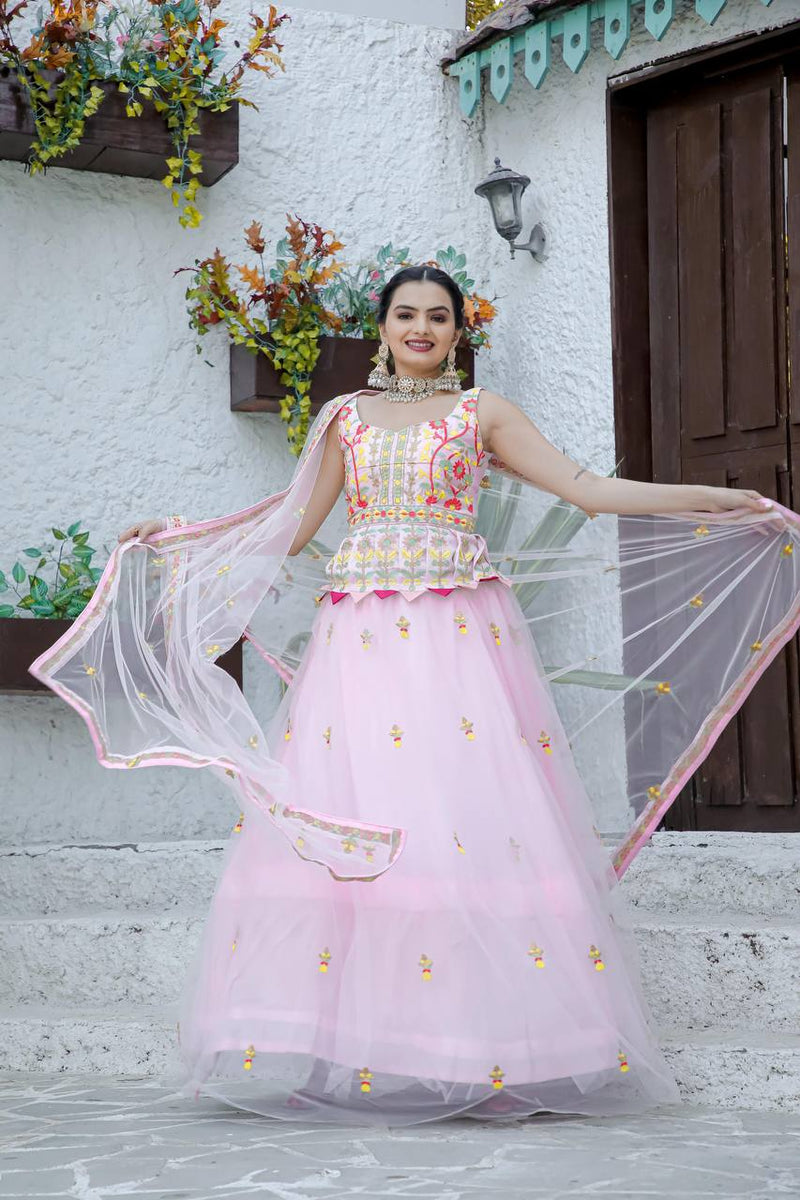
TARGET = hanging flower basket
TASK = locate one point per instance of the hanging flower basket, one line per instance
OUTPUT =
(23, 639)
(343, 365)
(129, 90)
(115, 144)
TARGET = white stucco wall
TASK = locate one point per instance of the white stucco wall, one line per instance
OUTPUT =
(110, 415)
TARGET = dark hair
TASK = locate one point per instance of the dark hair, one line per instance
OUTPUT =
(435, 275)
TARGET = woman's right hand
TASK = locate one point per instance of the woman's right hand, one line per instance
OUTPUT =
(142, 530)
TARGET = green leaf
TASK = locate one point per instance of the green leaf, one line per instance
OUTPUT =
(61, 537)
(32, 552)
(6, 610)
(18, 571)
(73, 529)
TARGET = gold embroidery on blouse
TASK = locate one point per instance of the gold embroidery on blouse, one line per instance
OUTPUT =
(696, 601)
(663, 688)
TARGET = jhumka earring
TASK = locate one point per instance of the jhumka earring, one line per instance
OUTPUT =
(379, 376)
(449, 380)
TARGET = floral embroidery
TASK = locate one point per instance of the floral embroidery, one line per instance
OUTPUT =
(536, 953)
(326, 733)
(324, 959)
(466, 728)
(411, 503)
(461, 622)
(238, 826)
(403, 624)
(515, 848)
(701, 531)
(248, 1060)
(328, 634)
(756, 645)
(663, 688)
(461, 849)
(495, 631)
(365, 1075)
(396, 734)
(496, 1076)
(426, 964)
(544, 742)
(287, 736)
(595, 956)
(366, 638)
(623, 1061)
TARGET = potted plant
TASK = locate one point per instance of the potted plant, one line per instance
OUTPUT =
(306, 329)
(43, 611)
(90, 64)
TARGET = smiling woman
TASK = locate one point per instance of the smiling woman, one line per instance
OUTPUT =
(416, 917)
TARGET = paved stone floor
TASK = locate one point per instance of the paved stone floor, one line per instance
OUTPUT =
(96, 1138)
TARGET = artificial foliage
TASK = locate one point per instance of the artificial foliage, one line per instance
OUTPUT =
(73, 577)
(166, 54)
(306, 294)
(478, 10)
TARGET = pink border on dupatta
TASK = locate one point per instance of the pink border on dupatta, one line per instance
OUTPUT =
(716, 721)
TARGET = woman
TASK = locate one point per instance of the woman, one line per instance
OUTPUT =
(466, 951)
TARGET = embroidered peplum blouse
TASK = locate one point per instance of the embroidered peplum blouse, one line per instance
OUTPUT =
(412, 497)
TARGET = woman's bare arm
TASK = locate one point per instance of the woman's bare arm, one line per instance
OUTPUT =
(513, 438)
(328, 485)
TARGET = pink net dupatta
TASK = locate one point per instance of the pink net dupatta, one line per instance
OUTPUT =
(138, 664)
(650, 631)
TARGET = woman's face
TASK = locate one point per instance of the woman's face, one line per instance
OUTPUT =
(420, 311)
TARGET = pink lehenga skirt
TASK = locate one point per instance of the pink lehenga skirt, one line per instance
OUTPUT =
(491, 971)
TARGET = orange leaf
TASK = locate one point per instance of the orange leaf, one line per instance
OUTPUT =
(254, 237)
(254, 279)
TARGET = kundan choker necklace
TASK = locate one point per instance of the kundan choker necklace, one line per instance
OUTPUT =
(408, 388)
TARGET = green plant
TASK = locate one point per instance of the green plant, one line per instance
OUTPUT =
(75, 578)
(162, 53)
(294, 315)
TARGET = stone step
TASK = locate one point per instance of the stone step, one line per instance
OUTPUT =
(727, 974)
(754, 873)
(675, 873)
(89, 877)
(755, 1071)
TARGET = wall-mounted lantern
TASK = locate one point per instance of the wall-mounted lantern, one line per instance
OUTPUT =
(503, 189)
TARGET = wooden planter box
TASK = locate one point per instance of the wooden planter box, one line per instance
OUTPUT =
(343, 366)
(22, 639)
(115, 143)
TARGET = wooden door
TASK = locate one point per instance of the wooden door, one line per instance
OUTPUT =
(719, 166)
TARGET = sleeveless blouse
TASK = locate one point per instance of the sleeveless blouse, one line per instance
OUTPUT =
(411, 499)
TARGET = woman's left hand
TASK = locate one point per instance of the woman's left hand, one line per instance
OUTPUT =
(723, 499)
